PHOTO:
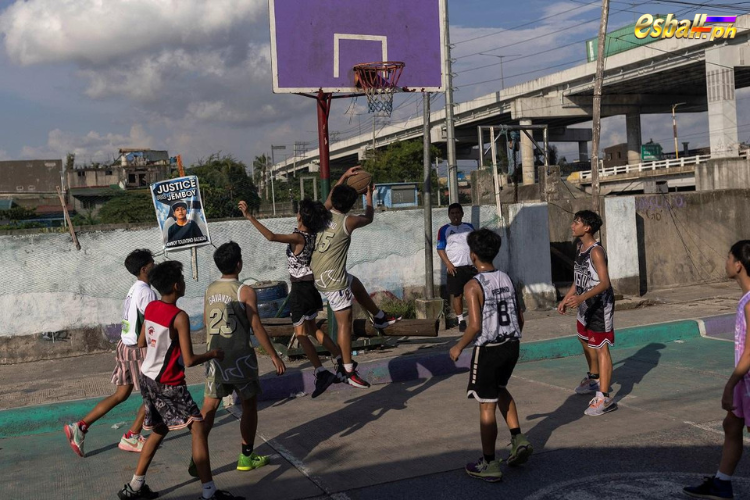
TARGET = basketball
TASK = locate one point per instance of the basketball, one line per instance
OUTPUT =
(360, 181)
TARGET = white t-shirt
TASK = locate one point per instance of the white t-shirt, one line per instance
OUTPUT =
(139, 296)
(452, 239)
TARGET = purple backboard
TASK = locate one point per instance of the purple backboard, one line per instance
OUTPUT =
(316, 43)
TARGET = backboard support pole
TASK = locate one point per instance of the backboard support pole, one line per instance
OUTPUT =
(324, 110)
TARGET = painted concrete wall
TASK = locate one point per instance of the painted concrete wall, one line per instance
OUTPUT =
(684, 237)
(622, 244)
(724, 173)
(48, 286)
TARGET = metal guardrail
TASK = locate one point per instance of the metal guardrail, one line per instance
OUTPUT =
(585, 175)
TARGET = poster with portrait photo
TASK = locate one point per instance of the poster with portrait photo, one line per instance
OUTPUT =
(179, 212)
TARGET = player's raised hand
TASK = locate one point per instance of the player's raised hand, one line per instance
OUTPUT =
(351, 172)
(278, 364)
(243, 208)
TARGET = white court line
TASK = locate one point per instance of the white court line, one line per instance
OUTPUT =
(702, 330)
(300, 466)
(703, 427)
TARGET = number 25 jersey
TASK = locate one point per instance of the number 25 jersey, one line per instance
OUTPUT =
(499, 311)
(228, 328)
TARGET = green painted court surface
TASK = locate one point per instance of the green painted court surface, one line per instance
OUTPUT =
(411, 439)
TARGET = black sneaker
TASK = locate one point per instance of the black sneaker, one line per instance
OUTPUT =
(462, 326)
(222, 495)
(323, 381)
(711, 488)
(144, 492)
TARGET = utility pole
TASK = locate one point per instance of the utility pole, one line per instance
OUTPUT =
(597, 122)
(427, 199)
(273, 191)
(674, 129)
(449, 125)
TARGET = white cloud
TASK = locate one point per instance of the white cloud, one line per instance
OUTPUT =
(97, 31)
(92, 146)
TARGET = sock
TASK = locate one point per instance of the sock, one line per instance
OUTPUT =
(380, 315)
(83, 426)
(130, 434)
(489, 458)
(515, 432)
(319, 369)
(137, 482)
(599, 394)
(209, 489)
(349, 367)
(247, 449)
(723, 477)
(460, 318)
(594, 376)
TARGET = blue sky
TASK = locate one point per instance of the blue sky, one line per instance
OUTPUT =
(193, 77)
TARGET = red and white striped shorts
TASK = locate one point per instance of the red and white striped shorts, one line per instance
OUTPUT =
(128, 361)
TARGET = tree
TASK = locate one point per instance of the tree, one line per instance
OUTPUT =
(260, 164)
(224, 183)
(400, 162)
(128, 207)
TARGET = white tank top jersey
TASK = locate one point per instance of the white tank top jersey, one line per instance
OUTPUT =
(499, 310)
(133, 309)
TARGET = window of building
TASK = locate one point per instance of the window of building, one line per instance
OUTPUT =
(131, 178)
(81, 174)
(108, 172)
(402, 194)
(619, 155)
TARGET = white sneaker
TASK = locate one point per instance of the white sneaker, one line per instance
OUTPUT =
(587, 386)
(600, 406)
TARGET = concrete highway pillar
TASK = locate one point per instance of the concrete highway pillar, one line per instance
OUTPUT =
(633, 127)
(527, 155)
(583, 151)
(722, 104)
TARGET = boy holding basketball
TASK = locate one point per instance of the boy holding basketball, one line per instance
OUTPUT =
(128, 359)
(495, 324)
(591, 292)
(454, 252)
(328, 265)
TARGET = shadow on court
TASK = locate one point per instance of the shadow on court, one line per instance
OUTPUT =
(627, 373)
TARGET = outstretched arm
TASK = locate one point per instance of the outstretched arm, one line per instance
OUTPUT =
(182, 325)
(294, 238)
(355, 221)
(248, 297)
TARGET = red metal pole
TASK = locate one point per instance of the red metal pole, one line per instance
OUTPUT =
(324, 109)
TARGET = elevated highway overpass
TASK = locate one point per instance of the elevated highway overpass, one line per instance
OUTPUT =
(648, 79)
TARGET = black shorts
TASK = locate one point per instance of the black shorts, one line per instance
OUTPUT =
(491, 368)
(456, 283)
(169, 405)
(304, 301)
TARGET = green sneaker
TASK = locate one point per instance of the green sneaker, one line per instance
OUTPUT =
(192, 469)
(520, 450)
(252, 461)
(485, 471)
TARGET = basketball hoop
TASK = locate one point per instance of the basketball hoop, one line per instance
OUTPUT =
(379, 80)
